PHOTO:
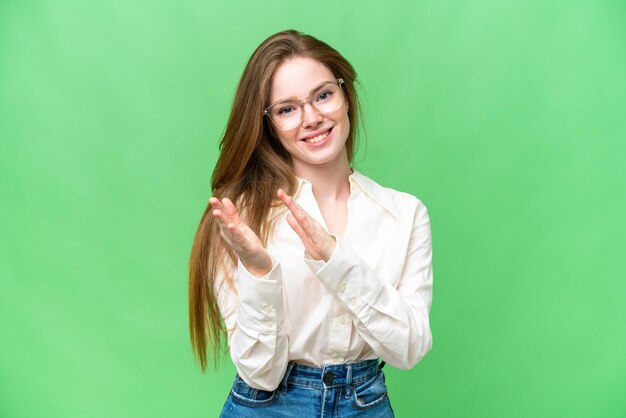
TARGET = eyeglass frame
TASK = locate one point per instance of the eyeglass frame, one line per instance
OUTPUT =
(339, 82)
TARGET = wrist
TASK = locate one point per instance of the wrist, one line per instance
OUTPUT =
(333, 245)
(260, 265)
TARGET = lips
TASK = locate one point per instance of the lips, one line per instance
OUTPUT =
(317, 137)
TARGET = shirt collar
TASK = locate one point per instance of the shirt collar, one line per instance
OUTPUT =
(373, 190)
(376, 192)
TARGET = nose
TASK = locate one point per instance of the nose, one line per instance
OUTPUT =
(311, 117)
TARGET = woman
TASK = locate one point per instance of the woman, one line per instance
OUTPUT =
(316, 270)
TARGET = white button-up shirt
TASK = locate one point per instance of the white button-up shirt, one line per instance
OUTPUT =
(371, 299)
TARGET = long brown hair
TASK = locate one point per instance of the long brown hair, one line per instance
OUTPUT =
(251, 167)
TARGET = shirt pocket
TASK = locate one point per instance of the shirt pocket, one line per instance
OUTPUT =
(246, 395)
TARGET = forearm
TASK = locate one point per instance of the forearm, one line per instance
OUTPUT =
(393, 321)
(258, 344)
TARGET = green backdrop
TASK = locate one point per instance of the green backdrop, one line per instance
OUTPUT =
(506, 118)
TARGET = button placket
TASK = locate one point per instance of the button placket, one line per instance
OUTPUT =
(339, 337)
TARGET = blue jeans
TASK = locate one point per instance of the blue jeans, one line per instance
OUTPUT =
(338, 390)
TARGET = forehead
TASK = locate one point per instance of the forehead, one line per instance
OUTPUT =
(296, 77)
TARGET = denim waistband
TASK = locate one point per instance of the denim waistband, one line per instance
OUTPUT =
(330, 375)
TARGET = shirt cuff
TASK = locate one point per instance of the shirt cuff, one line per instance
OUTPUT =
(348, 277)
(260, 302)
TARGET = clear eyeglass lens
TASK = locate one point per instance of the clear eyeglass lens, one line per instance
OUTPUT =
(326, 99)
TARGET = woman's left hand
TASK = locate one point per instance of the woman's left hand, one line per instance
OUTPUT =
(318, 243)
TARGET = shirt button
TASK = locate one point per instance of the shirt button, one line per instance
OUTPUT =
(353, 302)
(267, 309)
(268, 323)
(344, 320)
(341, 288)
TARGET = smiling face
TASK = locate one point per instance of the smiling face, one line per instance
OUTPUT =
(318, 142)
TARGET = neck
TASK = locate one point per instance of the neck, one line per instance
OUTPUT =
(329, 183)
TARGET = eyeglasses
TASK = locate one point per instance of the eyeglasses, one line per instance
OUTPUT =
(288, 113)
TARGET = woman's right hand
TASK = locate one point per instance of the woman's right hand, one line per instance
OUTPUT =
(241, 238)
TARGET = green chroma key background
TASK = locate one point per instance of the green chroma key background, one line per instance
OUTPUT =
(507, 119)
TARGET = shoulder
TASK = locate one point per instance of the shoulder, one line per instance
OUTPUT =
(400, 204)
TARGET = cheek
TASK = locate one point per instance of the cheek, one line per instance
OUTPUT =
(345, 122)
(285, 139)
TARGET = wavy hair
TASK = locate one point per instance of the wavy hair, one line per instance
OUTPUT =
(252, 165)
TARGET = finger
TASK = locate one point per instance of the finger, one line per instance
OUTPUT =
(298, 229)
(287, 200)
(226, 224)
(300, 214)
(281, 194)
(222, 220)
(215, 203)
(218, 214)
(230, 210)
(308, 225)
(236, 233)
(229, 230)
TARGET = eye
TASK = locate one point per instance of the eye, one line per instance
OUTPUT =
(325, 95)
(285, 110)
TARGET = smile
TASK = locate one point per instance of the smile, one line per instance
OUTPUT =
(318, 138)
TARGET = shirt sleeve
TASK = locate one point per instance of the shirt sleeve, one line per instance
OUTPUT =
(394, 321)
(253, 316)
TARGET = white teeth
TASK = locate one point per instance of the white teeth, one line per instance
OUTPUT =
(317, 138)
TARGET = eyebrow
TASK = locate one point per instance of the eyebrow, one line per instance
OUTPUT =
(287, 99)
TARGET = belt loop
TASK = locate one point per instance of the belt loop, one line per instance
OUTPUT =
(381, 365)
(349, 367)
(283, 383)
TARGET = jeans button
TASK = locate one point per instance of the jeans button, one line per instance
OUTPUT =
(328, 378)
